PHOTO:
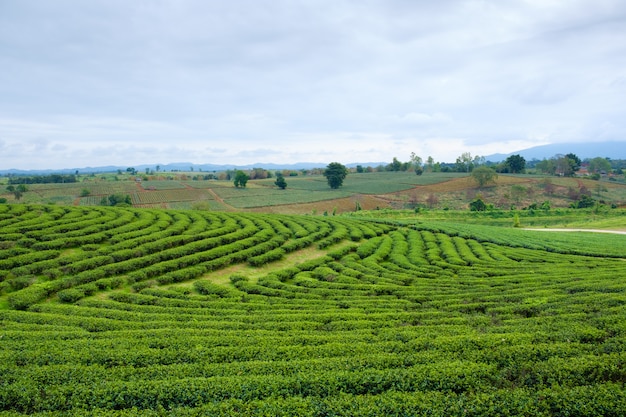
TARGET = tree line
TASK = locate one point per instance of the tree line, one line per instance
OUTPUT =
(43, 179)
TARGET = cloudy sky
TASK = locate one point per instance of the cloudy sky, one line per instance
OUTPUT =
(98, 82)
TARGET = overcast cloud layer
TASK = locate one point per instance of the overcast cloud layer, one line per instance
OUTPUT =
(99, 82)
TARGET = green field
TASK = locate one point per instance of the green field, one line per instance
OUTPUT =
(122, 311)
(311, 193)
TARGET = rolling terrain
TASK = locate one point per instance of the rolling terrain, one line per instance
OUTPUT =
(310, 194)
(123, 311)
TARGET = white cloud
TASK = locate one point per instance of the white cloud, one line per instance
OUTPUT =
(120, 82)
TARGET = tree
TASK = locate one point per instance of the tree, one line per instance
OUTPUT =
(116, 200)
(477, 205)
(280, 181)
(241, 179)
(395, 165)
(547, 166)
(416, 161)
(574, 161)
(464, 162)
(484, 175)
(259, 174)
(515, 164)
(430, 164)
(597, 165)
(584, 202)
(335, 173)
(17, 191)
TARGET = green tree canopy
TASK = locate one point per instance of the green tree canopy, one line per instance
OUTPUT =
(241, 179)
(335, 173)
(515, 164)
(597, 165)
(484, 175)
(464, 162)
(574, 161)
(280, 181)
(416, 162)
(478, 205)
(116, 200)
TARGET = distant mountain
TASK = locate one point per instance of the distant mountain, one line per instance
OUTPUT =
(175, 166)
(613, 150)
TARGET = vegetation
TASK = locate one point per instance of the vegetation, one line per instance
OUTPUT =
(119, 311)
(484, 175)
(514, 164)
(280, 181)
(335, 173)
(308, 191)
(241, 179)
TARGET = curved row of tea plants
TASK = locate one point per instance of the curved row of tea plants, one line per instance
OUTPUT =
(77, 252)
(401, 321)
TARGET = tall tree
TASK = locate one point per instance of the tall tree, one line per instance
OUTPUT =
(241, 179)
(567, 165)
(574, 161)
(416, 162)
(335, 173)
(395, 165)
(597, 165)
(515, 164)
(464, 162)
(280, 181)
(430, 164)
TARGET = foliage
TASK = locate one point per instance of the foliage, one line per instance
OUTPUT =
(410, 318)
(116, 200)
(18, 191)
(515, 164)
(563, 165)
(599, 165)
(574, 161)
(280, 181)
(466, 163)
(241, 179)
(43, 179)
(477, 205)
(416, 319)
(484, 175)
(335, 173)
(585, 201)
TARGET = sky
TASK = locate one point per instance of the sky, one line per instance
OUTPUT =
(118, 82)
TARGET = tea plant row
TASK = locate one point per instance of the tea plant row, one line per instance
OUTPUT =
(407, 319)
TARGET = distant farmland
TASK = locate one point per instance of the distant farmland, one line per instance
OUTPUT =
(311, 194)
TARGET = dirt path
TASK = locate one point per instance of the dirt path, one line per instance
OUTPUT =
(220, 200)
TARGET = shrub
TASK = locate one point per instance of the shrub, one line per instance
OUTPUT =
(71, 295)
(235, 278)
(25, 298)
(477, 205)
(208, 288)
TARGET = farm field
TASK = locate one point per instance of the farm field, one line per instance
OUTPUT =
(123, 311)
(310, 194)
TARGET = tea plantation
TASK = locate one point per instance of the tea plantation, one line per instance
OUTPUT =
(121, 312)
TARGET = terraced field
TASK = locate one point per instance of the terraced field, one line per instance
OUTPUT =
(111, 311)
